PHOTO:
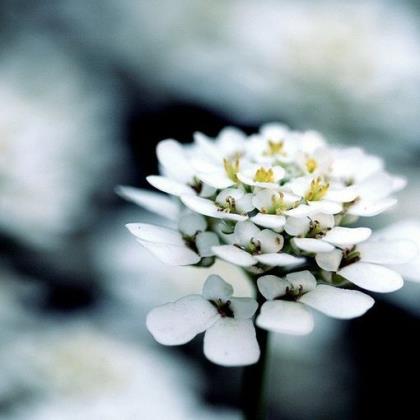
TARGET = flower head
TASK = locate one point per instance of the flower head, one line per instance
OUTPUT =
(279, 204)
(229, 338)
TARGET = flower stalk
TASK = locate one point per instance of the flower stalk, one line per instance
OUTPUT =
(254, 380)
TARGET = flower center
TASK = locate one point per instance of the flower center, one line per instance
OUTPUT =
(317, 190)
(232, 168)
(196, 185)
(292, 293)
(350, 256)
(311, 165)
(274, 148)
(223, 308)
(278, 205)
(316, 230)
(253, 247)
(228, 205)
(264, 175)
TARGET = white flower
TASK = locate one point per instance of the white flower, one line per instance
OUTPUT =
(363, 264)
(229, 332)
(252, 246)
(275, 144)
(179, 178)
(285, 310)
(226, 148)
(373, 194)
(230, 143)
(319, 196)
(263, 176)
(152, 201)
(292, 70)
(405, 236)
(272, 207)
(57, 142)
(62, 365)
(230, 204)
(187, 246)
(318, 233)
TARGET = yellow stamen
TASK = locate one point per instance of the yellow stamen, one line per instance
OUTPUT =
(232, 168)
(311, 165)
(264, 175)
(278, 205)
(317, 190)
(274, 148)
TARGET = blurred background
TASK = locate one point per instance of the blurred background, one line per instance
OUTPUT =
(87, 89)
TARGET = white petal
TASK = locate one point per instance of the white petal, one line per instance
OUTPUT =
(388, 252)
(207, 191)
(312, 245)
(232, 342)
(244, 232)
(208, 208)
(169, 186)
(173, 158)
(279, 260)
(296, 226)
(205, 241)
(234, 255)
(398, 183)
(404, 230)
(208, 146)
(231, 140)
(379, 186)
(329, 261)
(285, 317)
(324, 206)
(203, 165)
(272, 287)
(243, 308)
(229, 193)
(372, 277)
(311, 141)
(191, 223)
(410, 271)
(304, 280)
(151, 201)
(153, 233)
(302, 211)
(273, 130)
(371, 208)
(271, 221)
(338, 303)
(216, 288)
(269, 241)
(262, 199)
(300, 186)
(344, 195)
(325, 221)
(171, 254)
(347, 236)
(217, 179)
(244, 204)
(179, 322)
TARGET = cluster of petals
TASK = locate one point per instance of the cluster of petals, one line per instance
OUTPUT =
(281, 205)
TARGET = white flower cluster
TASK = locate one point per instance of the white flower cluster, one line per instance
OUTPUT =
(55, 115)
(279, 204)
(327, 55)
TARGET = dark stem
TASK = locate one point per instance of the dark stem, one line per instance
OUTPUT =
(253, 396)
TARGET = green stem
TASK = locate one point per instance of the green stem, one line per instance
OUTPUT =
(253, 382)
